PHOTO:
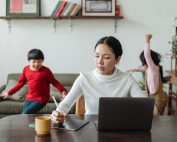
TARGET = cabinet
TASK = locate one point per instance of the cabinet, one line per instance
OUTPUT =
(70, 18)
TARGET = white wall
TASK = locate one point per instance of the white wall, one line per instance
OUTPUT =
(72, 52)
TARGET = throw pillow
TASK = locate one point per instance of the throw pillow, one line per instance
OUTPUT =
(20, 94)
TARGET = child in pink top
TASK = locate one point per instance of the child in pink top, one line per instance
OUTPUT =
(153, 75)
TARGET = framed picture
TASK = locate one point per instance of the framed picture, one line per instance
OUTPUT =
(22, 7)
(98, 7)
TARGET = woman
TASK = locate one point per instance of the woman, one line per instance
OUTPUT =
(104, 81)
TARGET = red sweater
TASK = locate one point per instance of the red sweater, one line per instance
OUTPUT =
(38, 83)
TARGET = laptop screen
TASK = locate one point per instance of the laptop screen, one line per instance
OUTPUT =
(125, 114)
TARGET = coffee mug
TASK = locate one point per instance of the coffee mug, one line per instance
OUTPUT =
(42, 125)
(42, 139)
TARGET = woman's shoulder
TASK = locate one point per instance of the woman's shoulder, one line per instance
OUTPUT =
(86, 74)
(124, 75)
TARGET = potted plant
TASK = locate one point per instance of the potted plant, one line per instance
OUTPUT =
(174, 47)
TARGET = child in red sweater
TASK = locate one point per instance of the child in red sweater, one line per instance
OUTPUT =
(38, 78)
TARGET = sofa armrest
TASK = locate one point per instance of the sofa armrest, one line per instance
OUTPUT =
(2, 88)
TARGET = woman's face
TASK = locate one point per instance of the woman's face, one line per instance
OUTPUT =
(105, 59)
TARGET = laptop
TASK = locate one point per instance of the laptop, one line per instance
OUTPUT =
(125, 114)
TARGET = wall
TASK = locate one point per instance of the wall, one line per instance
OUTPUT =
(72, 52)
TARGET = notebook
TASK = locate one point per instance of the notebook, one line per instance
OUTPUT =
(125, 114)
(72, 123)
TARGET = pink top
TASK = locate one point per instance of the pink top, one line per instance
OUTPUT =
(152, 71)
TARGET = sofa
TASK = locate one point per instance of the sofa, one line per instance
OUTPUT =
(14, 104)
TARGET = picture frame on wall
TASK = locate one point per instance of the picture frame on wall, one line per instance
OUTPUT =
(98, 7)
(22, 7)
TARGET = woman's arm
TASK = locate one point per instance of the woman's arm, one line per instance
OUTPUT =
(65, 105)
(72, 97)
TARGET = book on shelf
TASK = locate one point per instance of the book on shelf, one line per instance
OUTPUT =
(65, 8)
(55, 9)
(75, 10)
(61, 8)
(70, 8)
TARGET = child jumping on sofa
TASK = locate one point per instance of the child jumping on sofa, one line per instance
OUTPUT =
(153, 75)
(38, 78)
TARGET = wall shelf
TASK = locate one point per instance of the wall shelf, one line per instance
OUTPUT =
(70, 18)
(58, 18)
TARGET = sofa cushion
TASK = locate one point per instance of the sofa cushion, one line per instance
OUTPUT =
(20, 94)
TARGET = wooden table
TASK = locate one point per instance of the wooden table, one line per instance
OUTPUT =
(172, 94)
(15, 128)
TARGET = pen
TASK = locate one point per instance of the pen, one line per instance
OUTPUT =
(61, 125)
(55, 101)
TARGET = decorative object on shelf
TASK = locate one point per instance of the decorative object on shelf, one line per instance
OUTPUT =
(117, 10)
(22, 7)
(98, 7)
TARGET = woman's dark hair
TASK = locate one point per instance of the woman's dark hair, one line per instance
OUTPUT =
(35, 54)
(113, 43)
(156, 57)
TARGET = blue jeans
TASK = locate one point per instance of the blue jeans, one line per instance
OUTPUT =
(32, 107)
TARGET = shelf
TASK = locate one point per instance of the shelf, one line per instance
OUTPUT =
(70, 18)
(57, 18)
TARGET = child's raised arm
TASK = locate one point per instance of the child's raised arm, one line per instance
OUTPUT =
(148, 38)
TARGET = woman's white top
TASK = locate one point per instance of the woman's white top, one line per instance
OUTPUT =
(94, 85)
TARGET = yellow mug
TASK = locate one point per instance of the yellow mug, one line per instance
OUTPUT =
(42, 125)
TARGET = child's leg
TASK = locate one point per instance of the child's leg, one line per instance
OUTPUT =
(161, 100)
(32, 107)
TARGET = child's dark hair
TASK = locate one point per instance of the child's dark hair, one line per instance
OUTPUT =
(113, 43)
(35, 54)
(156, 57)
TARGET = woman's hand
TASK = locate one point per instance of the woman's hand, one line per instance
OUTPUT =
(58, 117)
(4, 95)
